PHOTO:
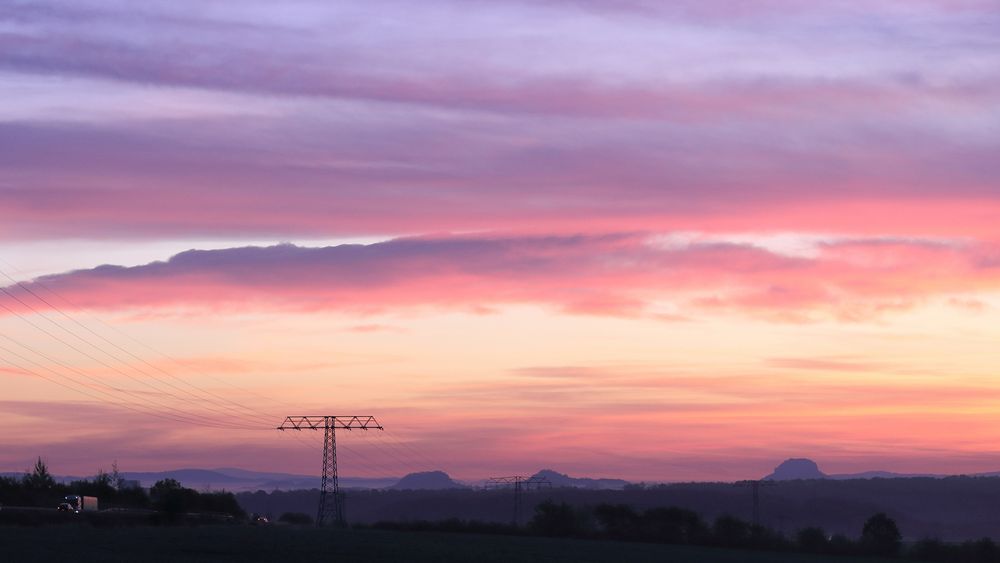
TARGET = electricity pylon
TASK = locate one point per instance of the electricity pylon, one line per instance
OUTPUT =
(330, 484)
(518, 483)
(755, 486)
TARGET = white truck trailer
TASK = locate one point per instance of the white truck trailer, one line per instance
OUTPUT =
(78, 504)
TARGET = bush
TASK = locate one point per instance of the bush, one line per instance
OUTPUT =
(173, 500)
(731, 532)
(812, 540)
(842, 545)
(929, 550)
(618, 521)
(979, 551)
(672, 525)
(880, 535)
(560, 520)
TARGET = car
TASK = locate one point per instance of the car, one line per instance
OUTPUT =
(259, 520)
(65, 507)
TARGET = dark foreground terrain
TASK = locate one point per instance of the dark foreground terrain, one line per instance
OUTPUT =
(951, 509)
(85, 544)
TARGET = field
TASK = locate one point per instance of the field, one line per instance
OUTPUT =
(85, 544)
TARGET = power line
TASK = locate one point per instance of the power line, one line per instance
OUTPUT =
(110, 342)
(148, 347)
(413, 451)
(102, 362)
(187, 417)
(128, 406)
(402, 452)
(105, 364)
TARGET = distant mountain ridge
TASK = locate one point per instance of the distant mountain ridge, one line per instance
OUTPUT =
(427, 480)
(803, 468)
(796, 468)
(244, 480)
(562, 480)
(232, 479)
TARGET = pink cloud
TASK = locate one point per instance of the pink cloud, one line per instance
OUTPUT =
(421, 175)
(613, 275)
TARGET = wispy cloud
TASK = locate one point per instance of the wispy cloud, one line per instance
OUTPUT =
(571, 115)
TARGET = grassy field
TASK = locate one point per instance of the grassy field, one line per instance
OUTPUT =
(83, 544)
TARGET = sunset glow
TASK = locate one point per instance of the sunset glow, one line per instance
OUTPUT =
(610, 238)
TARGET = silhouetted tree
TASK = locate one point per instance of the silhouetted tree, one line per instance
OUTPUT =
(762, 537)
(99, 486)
(132, 497)
(164, 487)
(672, 525)
(618, 521)
(982, 550)
(880, 535)
(560, 519)
(730, 531)
(117, 479)
(102, 478)
(39, 478)
(171, 498)
(105, 487)
(220, 502)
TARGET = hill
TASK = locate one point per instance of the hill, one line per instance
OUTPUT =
(427, 480)
(562, 480)
(796, 468)
(804, 468)
(238, 480)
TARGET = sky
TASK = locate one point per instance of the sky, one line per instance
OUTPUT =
(655, 241)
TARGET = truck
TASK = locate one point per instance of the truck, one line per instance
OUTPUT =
(78, 504)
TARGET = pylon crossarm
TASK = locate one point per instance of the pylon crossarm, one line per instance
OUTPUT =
(517, 481)
(340, 422)
(500, 482)
(538, 482)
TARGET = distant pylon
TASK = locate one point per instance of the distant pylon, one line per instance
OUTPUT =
(518, 483)
(755, 485)
(332, 507)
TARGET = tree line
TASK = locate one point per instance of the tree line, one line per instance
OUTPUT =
(879, 536)
(167, 498)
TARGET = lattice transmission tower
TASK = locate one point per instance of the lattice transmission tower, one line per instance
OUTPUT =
(519, 483)
(331, 501)
(755, 486)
